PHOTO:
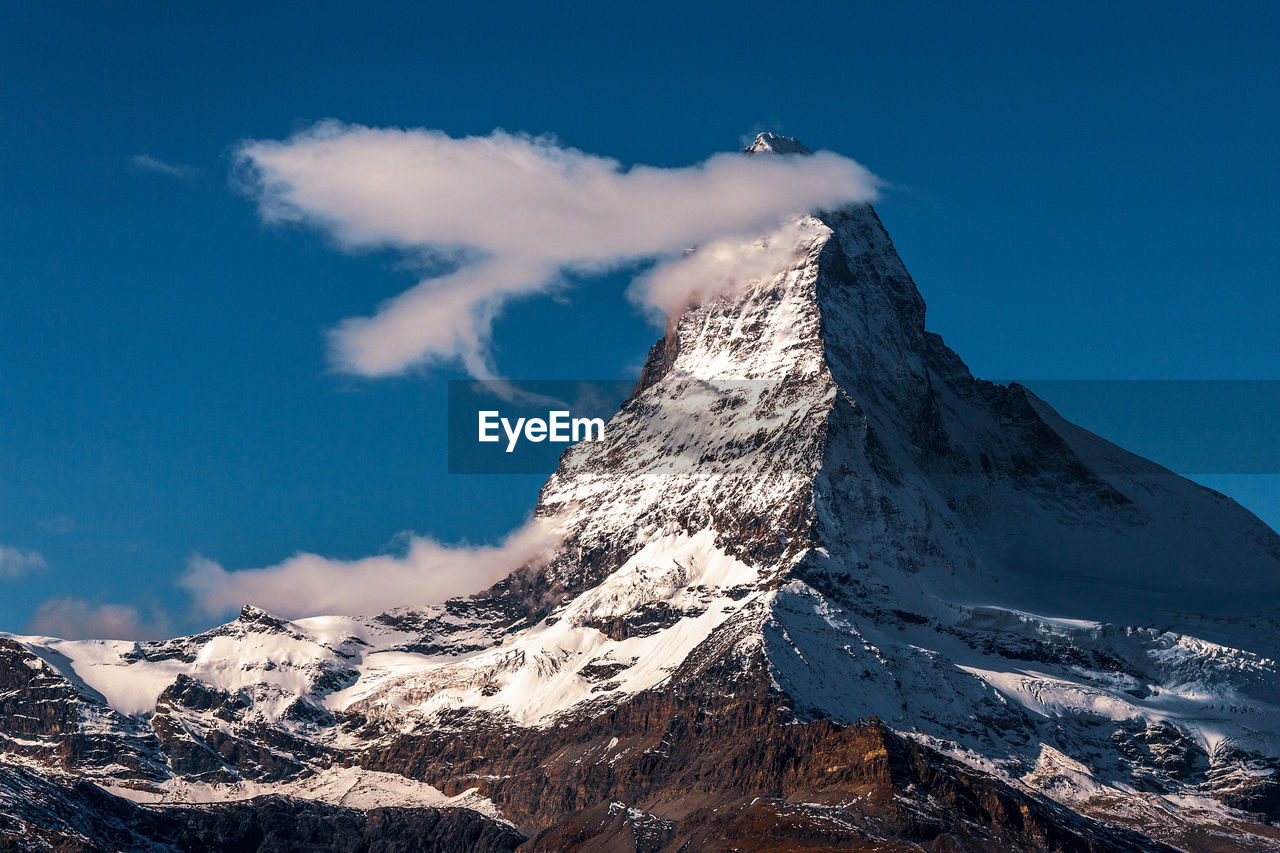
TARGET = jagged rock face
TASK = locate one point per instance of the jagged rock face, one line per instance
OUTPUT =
(49, 721)
(808, 514)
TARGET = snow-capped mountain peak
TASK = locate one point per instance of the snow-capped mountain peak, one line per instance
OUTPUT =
(772, 143)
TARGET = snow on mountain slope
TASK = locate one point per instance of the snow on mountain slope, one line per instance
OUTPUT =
(808, 480)
(619, 638)
(279, 660)
(341, 786)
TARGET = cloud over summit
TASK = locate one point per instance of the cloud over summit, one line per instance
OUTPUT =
(520, 210)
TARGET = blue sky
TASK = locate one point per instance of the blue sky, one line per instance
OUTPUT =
(1082, 193)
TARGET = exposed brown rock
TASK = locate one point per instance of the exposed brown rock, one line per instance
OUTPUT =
(735, 769)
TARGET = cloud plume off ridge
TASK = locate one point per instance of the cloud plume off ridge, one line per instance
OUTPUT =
(427, 573)
(520, 211)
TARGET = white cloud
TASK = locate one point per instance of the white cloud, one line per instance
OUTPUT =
(15, 563)
(74, 618)
(147, 163)
(523, 209)
(722, 266)
(309, 584)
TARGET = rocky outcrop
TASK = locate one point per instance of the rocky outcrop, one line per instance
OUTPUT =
(47, 719)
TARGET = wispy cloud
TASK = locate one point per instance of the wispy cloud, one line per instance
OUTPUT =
(15, 563)
(147, 163)
(428, 572)
(721, 266)
(59, 526)
(519, 210)
(74, 618)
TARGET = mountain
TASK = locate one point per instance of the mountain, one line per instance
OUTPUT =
(819, 588)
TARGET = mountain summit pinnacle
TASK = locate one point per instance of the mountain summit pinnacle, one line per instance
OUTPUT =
(772, 143)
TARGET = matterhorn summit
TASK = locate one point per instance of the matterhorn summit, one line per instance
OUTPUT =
(818, 586)
(772, 143)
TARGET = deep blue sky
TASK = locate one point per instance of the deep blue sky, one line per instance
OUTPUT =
(1085, 192)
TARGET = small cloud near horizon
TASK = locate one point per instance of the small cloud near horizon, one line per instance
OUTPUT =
(427, 573)
(70, 617)
(15, 563)
(147, 163)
